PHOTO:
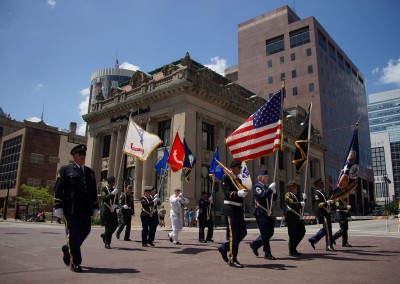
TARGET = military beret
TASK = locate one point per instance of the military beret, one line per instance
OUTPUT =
(148, 188)
(77, 149)
(292, 183)
(204, 192)
(235, 163)
(318, 181)
(111, 178)
(262, 172)
(177, 188)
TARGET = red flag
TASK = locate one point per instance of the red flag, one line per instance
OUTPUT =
(176, 155)
(260, 134)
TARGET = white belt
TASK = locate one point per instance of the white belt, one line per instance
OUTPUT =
(233, 203)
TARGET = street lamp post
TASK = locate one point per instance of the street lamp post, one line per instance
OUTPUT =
(9, 184)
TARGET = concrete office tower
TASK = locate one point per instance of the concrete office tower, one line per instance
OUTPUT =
(279, 45)
(384, 125)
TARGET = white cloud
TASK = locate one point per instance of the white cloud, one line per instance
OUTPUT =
(127, 65)
(52, 3)
(217, 64)
(84, 104)
(375, 71)
(39, 86)
(391, 73)
(34, 119)
(81, 130)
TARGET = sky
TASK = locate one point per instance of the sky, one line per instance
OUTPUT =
(50, 48)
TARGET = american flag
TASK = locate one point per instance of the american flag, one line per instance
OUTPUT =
(260, 134)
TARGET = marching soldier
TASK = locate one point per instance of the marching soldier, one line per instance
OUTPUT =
(110, 204)
(324, 217)
(176, 201)
(75, 197)
(204, 218)
(293, 217)
(234, 194)
(342, 215)
(148, 203)
(127, 210)
(154, 218)
(263, 197)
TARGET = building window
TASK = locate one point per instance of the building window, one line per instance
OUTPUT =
(294, 74)
(308, 51)
(164, 132)
(37, 158)
(275, 45)
(282, 59)
(347, 67)
(207, 137)
(50, 183)
(378, 161)
(310, 69)
(299, 37)
(9, 161)
(269, 63)
(282, 76)
(34, 182)
(340, 60)
(106, 146)
(294, 91)
(311, 87)
(293, 56)
(332, 51)
(322, 40)
(54, 160)
(270, 80)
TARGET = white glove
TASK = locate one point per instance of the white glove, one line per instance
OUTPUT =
(272, 186)
(302, 203)
(125, 206)
(304, 196)
(156, 200)
(242, 193)
(115, 191)
(348, 207)
(328, 202)
(58, 212)
(155, 196)
(210, 199)
(274, 190)
(95, 212)
(113, 207)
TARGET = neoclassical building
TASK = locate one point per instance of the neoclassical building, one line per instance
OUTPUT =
(204, 107)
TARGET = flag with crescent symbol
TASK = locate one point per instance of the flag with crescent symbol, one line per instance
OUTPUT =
(177, 154)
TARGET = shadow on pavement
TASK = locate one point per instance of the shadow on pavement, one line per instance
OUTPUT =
(107, 270)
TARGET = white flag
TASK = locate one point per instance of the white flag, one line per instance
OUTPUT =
(138, 142)
(245, 176)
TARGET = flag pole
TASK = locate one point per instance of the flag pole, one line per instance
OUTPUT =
(308, 153)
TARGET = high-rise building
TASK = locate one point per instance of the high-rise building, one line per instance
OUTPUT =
(384, 123)
(279, 46)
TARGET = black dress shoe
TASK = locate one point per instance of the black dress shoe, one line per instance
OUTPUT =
(253, 249)
(107, 246)
(235, 264)
(330, 249)
(295, 253)
(145, 245)
(117, 235)
(223, 254)
(177, 243)
(210, 240)
(170, 239)
(269, 256)
(151, 243)
(202, 241)
(66, 257)
(312, 244)
(103, 237)
(347, 245)
(128, 240)
(76, 268)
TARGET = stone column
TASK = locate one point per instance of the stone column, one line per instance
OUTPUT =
(148, 166)
(111, 159)
(118, 168)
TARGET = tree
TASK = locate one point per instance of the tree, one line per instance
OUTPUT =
(393, 207)
(33, 196)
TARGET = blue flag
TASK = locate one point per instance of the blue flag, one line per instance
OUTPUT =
(162, 166)
(348, 178)
(189, 161)
(216, 172)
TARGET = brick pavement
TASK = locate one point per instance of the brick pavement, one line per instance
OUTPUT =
(30, 253)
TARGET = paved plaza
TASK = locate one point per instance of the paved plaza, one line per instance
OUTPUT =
(31, 253)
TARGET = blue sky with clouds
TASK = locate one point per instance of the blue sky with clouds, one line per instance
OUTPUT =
(49, 48)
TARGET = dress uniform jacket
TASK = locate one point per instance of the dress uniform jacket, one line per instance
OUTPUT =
(296, 228)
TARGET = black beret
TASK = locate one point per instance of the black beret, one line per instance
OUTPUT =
(318, 181)
(111, 178)
(77, 149)
(204, 192)
(262, 172)
(235, 163)
(292, 183)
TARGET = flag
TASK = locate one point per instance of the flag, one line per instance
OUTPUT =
(189, 161)
(245, 176)
(216, 172)
(348, 178)
(229, 173)
(116, 64)
(260, 134)
(162, 166)
(138, 142)
(300, 154)
(176, 155)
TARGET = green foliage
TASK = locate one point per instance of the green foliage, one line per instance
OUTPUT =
(96, 220)
(35, 196)
(393, 207)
